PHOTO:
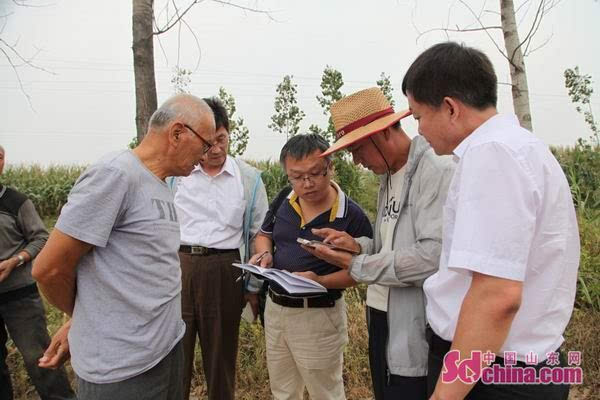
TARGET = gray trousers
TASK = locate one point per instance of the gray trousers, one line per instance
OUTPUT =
(164, 381)
(25, 320)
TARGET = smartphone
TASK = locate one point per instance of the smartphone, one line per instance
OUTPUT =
(313, 243)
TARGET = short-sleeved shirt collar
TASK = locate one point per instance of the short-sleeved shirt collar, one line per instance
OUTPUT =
(338, 209)
(489, 125)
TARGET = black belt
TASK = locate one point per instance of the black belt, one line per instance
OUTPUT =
(320, 301)
(203, 251)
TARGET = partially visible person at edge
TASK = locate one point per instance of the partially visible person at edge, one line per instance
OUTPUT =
(407, 241)
(22, 312)
(510, 251)
(220, 206)
(111, 262)
(306, 336)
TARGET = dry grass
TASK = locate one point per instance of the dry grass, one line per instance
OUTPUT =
(253, 380)
(583, 335)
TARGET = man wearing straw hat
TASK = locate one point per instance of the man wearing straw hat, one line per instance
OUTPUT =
(407, 238)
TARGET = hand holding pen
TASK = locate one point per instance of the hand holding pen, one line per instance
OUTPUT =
(264, 259)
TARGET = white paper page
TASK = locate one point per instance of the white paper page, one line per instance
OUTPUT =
(288, 281)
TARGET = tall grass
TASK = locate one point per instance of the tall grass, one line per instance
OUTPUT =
(581, 164)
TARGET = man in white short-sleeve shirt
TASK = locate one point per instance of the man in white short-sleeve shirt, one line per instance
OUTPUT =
(111, 261)
(510, 249)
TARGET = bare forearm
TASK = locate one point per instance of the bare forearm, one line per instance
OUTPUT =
(337, 280)
(60, 292)
(55, 269)
(483, 325)
(263, 243)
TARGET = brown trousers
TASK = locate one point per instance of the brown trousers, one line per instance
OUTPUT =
(212, 303)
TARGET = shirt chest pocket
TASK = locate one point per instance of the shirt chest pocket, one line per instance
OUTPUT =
(230, 212)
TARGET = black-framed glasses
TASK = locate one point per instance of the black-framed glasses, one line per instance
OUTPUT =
(311, 176)
(206, 146)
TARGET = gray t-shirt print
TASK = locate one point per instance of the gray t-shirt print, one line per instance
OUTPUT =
(127, 314)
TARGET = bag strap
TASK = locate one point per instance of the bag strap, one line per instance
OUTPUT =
(279, 199)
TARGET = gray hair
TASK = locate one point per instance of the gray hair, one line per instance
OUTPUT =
(300, 146)
(181, 105)
(2, 149)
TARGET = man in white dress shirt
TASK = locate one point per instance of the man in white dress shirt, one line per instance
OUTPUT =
(220, 206)
(510, 249)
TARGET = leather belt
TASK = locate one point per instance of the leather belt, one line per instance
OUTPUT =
(202, 251)
(321, 301)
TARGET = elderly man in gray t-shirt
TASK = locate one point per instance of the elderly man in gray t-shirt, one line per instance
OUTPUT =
(111, 261)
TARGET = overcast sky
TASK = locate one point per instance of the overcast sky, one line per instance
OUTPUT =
(85, 106)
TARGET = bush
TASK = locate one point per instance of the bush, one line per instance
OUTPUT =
(273, 176)
(47, 188)
(588, 287)
(581, 165)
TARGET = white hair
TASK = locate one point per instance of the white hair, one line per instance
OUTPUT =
(181, 105)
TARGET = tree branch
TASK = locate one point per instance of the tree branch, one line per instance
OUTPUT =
(253, 10)
(541, 45)
(492, 12)
(528, 2)
(162, 49)
(5, 16)
(197, 44)
(14, 68)
(485, 28)
(486, 32)
(536, 21)
(521, 6)
(170, 24)
(23, 3)
(25, 61)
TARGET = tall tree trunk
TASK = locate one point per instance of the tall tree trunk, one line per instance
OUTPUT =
(143, 65)
(520, 91)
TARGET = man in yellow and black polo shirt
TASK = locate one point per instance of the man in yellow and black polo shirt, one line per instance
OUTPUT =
(305, 336)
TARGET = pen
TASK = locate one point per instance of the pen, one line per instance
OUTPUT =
(264, 253)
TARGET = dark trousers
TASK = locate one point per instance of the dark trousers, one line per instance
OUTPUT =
(385, 385)
(438, 348)
(212, 303)
(25, 320)
(161, 382)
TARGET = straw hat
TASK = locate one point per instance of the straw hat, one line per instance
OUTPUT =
(361, 115)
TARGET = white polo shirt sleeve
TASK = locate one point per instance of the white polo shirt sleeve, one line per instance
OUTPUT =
(494, 239)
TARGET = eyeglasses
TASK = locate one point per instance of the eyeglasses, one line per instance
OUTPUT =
(206, 146)
(311, 176)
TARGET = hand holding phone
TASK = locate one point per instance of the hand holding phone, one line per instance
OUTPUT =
(313, 243)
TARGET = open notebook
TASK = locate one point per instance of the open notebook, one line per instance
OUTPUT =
(293, 284)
